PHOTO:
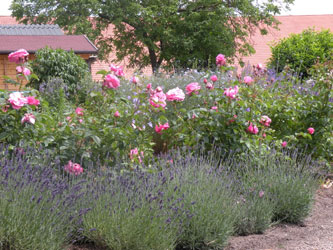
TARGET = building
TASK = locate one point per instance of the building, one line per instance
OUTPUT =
(34, 37)
(289, 25)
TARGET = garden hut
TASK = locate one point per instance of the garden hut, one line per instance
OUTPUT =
(35, 37)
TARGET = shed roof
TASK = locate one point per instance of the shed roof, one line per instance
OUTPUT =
(31, 30)
(80, 44)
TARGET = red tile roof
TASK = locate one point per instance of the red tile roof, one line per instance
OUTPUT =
(289, 24)
(79, 44)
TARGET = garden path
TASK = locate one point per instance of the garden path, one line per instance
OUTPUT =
(315, 234)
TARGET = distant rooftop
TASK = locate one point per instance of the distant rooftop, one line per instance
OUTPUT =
(80, 44)
(30, 30)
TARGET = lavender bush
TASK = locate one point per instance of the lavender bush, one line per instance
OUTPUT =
(36, 203)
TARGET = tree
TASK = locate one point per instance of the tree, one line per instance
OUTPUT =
(159, 32)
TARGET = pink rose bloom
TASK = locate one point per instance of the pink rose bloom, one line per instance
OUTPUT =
(213, 78)
(192, 87)
(80, 120)
(31, 100)
(18, 56)
(73, 168)
(29, 118)
(248, 79)
(214, 108)
(111, 81)
(116, 114)
(209, 85)
(23, 70)
(159, 128)
(118, 70)
(220, 60)
(265, 120)
(264, 135)
(135, 80)
(17, 100)
(261, 193)
(79, 111)
(284, 144)
(175, 94)
(259, 66)
(205, 81)
(253, 129)
(157, 98)
(133, 153)
(311, 131)
(148, 86)
(231, 92)
(68, 118)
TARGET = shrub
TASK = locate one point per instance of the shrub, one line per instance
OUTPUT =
(36, 204)
(185, 205)
(50, 63)
(287, 180)
(301, 51)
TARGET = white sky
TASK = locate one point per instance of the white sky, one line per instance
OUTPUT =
(301, 7)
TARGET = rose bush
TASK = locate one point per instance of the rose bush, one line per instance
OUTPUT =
(152, 115)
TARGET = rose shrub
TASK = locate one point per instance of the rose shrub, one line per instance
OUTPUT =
(153, 115)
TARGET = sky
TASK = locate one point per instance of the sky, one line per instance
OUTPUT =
(300, 7)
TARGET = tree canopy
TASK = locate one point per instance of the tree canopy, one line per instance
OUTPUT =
(159, 32)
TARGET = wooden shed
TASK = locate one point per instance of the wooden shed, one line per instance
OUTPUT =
(35, 37)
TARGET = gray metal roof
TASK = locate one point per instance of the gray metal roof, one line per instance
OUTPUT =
(31, 30)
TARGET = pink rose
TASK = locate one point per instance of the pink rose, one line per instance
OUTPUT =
(248, 80)
(159, 128)
(31, 100)
(205, 81)
(252, 129)
(261, 193)
(213, 78)
(157, 98)
(214, 108)
(79, 111)
(29, 118)
(265, 120)
(18, 56)
(259, 66)
(80, 120)
(116, 114)
(148, 86)
(135, 80)
(311, 131)
(73, 168)
(231, 92)
(118, 70)
(17, 100)
(111, 81)
(192, 87)
(175, 94)
(220, 60)
(209, 85)
(23, 70)
(284, 144)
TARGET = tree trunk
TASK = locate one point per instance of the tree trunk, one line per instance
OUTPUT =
(153, 60)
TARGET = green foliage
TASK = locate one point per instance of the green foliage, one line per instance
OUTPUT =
(50, 63)
(180, 32)
(277, 186)
(301, 51)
